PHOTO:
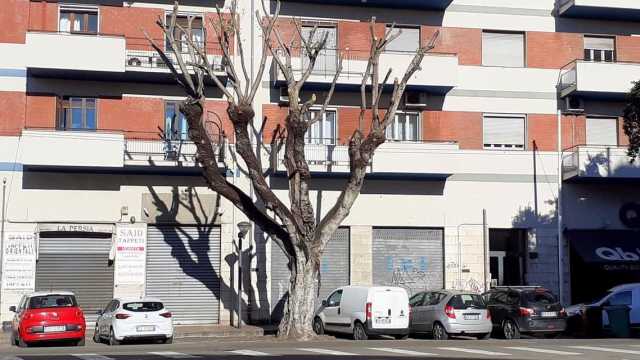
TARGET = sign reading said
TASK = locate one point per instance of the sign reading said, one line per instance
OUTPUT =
(19, 261)
(131, 253)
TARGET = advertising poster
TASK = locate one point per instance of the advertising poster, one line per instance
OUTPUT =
(19, 261)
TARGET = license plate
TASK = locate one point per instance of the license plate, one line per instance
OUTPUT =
(143, 328)
(472, 317)
(549, 314)
(383, 321)
(51, 329)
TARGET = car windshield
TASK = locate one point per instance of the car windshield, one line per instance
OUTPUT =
(143, 306)
(52, 301)
(540, 298)
(598, 298)
(467, 301)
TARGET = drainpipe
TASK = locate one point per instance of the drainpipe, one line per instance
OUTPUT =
(559, 213)
(2, 221)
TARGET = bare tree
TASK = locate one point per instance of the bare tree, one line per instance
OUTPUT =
(293, 227)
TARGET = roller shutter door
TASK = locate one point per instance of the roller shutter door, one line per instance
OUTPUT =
(334, 271)
(408, 257)
(183, 270)
(79, 264)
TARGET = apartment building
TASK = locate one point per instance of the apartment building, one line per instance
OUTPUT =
(103, 197)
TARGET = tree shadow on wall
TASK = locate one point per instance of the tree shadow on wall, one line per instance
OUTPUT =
(187, 224)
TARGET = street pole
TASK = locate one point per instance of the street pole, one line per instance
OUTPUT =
(559, 212)
(485, 252)
(240, 236)
(4, 191)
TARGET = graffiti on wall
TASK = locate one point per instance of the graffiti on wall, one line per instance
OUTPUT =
(410, 273)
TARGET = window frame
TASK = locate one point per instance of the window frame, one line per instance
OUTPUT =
(337, 292)
(181, 135)
(391, 129)
(177, 31)
(323, 140)
(505, 147)
(524, 47)
(85, 11)
(324, 52)
(614, 52)
(404, 26)
(596, 118)
(65, 106)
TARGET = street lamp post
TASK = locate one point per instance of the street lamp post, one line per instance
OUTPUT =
(2, 221)
(243, 229)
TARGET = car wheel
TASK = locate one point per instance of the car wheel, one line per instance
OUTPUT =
(96, 335)
(359, 332)
(80, 342)
(483, 336)
(402, 337)
(112, 338)
(510, 330)
(318, 326)
(439, 332)
(22, 343)
(14, 340)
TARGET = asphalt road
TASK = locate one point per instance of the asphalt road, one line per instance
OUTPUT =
(329, 348)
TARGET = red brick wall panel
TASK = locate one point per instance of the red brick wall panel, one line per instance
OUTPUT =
(130, 21)
(275, 115)
(41, 112)
(43, 16)
(466, 43)
(542, 129)
(14, 20)
(628, 48)
(216, 116)
(553, 50)
(138, 117)
(463, 127)
(574, 130)
(12, 108)
(623, 139)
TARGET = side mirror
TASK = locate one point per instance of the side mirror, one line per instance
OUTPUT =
(13, 309)
(325, 303)
(99, 312)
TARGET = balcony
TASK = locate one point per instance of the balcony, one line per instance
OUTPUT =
(397, 4)
(599, 9)
(605, 80)
(51, 53)
(598, 163)
(439, 72)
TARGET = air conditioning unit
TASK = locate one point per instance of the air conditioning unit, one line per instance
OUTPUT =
(414, 99)
(134, 61)
(574, 105)
(284, 96)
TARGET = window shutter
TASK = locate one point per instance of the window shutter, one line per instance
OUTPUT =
(502, 49)
(503, 132)
(600, 43)
(409, 39)
(602, 131)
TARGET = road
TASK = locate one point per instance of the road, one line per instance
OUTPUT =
(328, 348)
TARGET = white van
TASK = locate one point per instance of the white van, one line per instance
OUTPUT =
(626, 294)
(364, 311)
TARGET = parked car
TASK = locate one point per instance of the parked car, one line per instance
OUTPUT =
(525, 310)
(364, 311)
(47, 316)
(444, 313)
(626, 294)
(134, 319)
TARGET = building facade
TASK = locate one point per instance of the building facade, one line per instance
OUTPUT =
(103, 196)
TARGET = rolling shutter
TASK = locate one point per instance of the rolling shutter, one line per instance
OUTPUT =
(502, 49)
(409, 258)
(503, 131)
(602, 131)
(334, 271)
(78, 264)
(183, 270)
(407, 41)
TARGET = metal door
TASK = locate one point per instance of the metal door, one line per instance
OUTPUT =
(183, 270)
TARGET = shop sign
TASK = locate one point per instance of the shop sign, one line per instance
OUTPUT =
(19, 261)
(130, 254)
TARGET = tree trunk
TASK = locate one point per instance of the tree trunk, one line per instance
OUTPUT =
(300, 306)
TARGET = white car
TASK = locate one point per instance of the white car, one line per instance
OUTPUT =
(134, 319)
(626, 294)
(365, 311)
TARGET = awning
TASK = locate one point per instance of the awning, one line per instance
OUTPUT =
(611, 250)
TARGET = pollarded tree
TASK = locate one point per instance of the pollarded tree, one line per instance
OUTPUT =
(293, 227)
(632, 121)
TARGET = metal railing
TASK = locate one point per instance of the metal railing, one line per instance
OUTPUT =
(595, 160)
(140, 54)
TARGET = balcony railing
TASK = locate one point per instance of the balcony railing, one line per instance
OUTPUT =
(140, 56)
(589, 162)
(598, 78)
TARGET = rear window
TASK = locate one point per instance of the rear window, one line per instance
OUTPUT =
(52, 301)
(540, 298)
(145, 306)
(467, 301)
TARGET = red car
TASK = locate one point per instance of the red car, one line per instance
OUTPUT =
(45, 316)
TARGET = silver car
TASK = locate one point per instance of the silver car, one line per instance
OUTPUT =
(444, 313)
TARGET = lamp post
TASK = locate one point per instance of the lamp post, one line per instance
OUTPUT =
(243, 229)
(2, 221)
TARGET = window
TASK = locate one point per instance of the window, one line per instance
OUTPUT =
(409, 39)
(334, 299)
(598, 48)
(502, 49)
(175, 123)
(602, 131)
(324, 130)
(467, 301)
(540, 298)
(416, 300)
(405, 127)
(503, 131)
(197, 32)
(77, 113)
(52, 301)
(78, 21)
(327, 61)
(146, 306)
(621, 298)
